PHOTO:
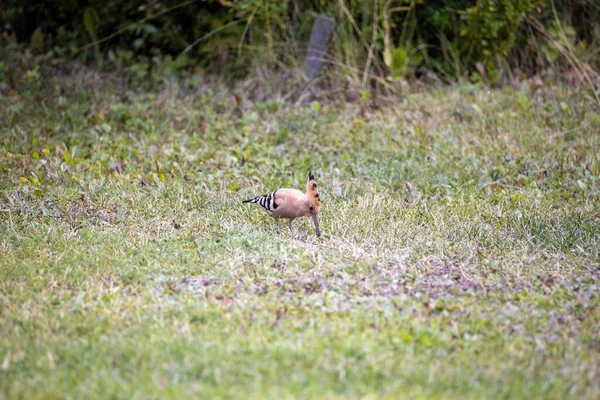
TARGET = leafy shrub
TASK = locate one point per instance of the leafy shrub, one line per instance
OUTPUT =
(389, 39)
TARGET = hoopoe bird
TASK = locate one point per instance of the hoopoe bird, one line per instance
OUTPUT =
(292, 204)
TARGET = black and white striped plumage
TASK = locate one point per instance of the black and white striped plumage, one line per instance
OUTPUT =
(266, 201)
(291, 204)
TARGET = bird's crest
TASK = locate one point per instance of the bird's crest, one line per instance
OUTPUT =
(312, 192)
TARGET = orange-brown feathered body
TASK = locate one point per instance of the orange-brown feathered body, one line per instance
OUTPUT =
(292, 203)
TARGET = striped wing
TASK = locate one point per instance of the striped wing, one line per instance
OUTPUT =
(266, 201)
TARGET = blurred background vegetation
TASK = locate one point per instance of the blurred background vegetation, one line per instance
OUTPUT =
(376, 44)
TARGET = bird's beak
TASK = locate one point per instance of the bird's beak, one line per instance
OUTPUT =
(316, 220)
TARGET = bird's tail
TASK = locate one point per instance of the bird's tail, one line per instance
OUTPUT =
(267, 201)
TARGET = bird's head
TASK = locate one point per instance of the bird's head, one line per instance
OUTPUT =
(313, 201)
(312, 196)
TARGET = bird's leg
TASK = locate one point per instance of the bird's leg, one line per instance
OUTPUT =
(290, 225)
(277, 226)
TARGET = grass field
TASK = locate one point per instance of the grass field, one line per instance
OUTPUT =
(129, 267)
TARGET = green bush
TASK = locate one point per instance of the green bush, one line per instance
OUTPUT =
(480, 39)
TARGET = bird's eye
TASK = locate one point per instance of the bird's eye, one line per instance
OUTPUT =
(311, 208)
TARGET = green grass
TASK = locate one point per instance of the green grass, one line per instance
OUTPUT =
(129, 267)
